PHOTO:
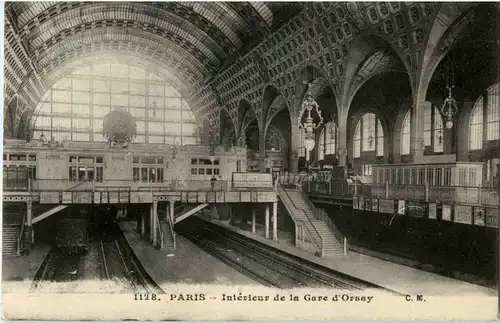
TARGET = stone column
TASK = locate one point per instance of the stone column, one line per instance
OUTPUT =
(143, 223)
(275, 221)
(267, 221)
(253, 219)
(342, 141)
(293, 165)
(29, 236)
(154, 226)
(262, 153)
(171, 213)
(417, 128)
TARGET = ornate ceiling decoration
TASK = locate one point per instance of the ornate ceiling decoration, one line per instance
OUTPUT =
(194, 39)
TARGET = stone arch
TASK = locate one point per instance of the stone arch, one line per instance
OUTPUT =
(227, 127)
(397, 125)
(269, 94)
(449, 23)
(361, 50)
(246, 114)
(278, 104)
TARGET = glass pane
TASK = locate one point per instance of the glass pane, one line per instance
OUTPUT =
(119, 100)
(63, 84)
(138, 112)
(100, 110)
(156, 89)
(137, 88)
(119, 87)
(81, 84)
(101, 70)
(173, 115)
(155, 127)
(137, 101)
(101, 86)
(81, 110)
(102, 98)
(173, 103)
(61, 96)
(81, 97)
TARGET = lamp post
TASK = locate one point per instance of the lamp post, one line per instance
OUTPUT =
(211, 151)
(309, 105)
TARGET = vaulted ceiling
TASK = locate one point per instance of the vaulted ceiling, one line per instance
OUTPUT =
(194, 40)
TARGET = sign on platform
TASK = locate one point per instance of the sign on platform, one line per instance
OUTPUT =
(49, 198)
(446, 212)
(432, 211)
(67, 198)
(97, 197)
(479, 215)
(463, 214)
(266, 197)
(401, 207)
(355, 203)
(82, 197)
(492, 217)
(361, 205)
(248, 197)
(386, 206)
(375, 205)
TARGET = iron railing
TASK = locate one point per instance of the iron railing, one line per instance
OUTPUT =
(320, 214)
(20, 239)
(319, 243)
(480, 196)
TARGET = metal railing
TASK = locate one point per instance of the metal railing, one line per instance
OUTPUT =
(159, 231)
(20, 239)
(480, 196)
(320, 214)
(127, 186)
(319, 240)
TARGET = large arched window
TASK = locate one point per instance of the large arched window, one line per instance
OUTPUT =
(433, 128)
(491, 116)
(368, 136)
(405, 134)
(327, 140)
(73, 109)
(273, 141)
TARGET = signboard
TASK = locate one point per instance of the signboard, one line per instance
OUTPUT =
(97, 197)
(266, 196)
(355, 203)
(492, 217)
(104, 197)
(124, 197)
(361, 205)
(401, 207)
(479, 215)
(113, 197)
(49, 198)
(368, 204)
(202, 197)
(432, 211)
(386, 206)
(463, 214)
(252, 180)
(446, 212)
(66, 198)
(82, 197)
(248, 197)
(417, 209)
(141, 197)
(375, 205)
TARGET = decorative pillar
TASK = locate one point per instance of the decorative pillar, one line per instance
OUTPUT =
(267, 220)
(143, 223)
(154, 220)
(342, 139)
(253, 219)
(171, 213)
(29, 236)
(417, 128)
(262, 153)
(275, 221)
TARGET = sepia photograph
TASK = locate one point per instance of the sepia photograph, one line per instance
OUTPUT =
(317, 161)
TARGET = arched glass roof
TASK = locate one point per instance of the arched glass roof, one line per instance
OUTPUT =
(73, 109)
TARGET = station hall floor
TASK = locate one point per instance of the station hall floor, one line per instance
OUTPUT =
(188, 264)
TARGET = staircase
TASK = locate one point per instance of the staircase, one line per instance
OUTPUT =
(328, 240)
(10, 237)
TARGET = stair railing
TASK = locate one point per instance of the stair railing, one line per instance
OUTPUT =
(159, 232)
(320, 245)
(20, 239)
(320, 214)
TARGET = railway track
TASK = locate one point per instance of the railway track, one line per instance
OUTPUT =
(267, 265)
(117, 262)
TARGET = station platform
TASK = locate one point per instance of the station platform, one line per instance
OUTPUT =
(18, 272)
(398, 278)
(186, 264)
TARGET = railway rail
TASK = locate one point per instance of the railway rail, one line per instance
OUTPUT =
(117, 263)
(267, 265)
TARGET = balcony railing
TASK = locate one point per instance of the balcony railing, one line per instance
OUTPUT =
(485, 196)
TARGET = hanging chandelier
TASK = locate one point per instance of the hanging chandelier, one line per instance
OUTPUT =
(449, 109)
(309, 105)
(211, 141)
